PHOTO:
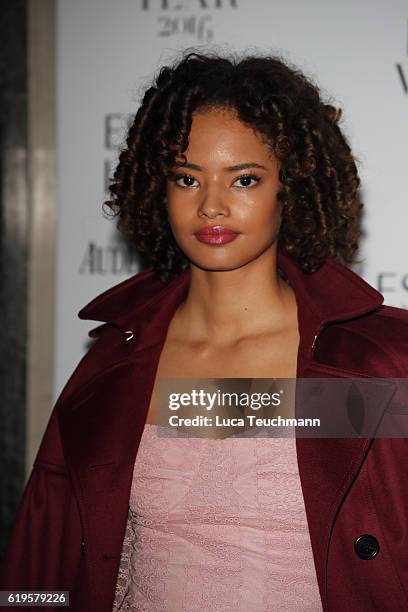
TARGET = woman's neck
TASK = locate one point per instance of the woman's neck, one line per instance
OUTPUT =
(224, 306)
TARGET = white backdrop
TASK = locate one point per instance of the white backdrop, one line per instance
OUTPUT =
(107, 51)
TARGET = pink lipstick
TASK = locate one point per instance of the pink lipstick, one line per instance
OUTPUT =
(216, 235)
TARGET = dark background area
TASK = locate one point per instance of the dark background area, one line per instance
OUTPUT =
(13, 257)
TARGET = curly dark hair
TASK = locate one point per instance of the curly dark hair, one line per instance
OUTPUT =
(319, 180)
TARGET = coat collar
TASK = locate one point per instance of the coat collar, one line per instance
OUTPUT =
(333, 293)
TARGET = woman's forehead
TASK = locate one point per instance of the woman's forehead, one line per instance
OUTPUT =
(219, 133)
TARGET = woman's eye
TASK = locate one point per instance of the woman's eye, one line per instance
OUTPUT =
(185, 180)
(248, 180)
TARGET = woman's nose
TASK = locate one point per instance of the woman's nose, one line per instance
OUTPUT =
(212, 204)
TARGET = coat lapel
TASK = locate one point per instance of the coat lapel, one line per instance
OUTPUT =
(102, 421)
(101, 425)
(327, 467)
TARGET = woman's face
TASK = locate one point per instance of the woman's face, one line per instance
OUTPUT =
(222, 204)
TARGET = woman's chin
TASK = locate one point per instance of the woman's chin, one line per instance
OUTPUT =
(217, 266)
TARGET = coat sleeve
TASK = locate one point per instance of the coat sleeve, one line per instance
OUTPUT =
(44, 549)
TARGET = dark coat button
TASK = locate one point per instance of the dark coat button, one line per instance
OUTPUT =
(366, 546)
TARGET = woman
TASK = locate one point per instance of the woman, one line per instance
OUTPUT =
(238, 184)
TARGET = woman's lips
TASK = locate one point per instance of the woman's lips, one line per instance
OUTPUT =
(216, 235)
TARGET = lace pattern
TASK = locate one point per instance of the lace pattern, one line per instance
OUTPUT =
(216, 525)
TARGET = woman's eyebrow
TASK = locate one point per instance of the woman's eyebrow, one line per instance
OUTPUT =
(235, 168)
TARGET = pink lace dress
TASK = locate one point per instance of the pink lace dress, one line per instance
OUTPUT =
(216, 526)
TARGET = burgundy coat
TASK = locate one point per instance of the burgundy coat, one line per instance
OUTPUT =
(70, 525)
